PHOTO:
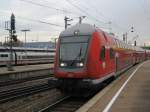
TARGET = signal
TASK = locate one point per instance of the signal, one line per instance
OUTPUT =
(14, 37)
(12, 27)
(12, 23)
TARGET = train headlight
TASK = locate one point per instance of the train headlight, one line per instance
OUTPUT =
(80, 64)
(63, 64)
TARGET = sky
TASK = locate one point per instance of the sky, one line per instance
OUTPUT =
(45, 18)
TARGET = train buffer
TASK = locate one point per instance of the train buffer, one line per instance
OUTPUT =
(128, 94)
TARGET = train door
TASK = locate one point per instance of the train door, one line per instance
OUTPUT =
(103, 60)
(117, 61)
(112, 60)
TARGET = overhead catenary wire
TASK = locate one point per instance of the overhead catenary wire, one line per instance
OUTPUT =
(144, 7)
(85, 12)
(57, 9)
(90, 5)
(96, 10)
(81, 10)
(31, 20)
(42, 5)
(38, 21)
(113, 22)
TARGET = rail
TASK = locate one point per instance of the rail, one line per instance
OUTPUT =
(12, 94)
(66, 104)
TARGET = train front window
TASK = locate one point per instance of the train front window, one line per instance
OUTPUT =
(73, 51)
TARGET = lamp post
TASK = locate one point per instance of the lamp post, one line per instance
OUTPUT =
(125, 35)
(25, 31)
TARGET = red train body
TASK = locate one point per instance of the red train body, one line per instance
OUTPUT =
(86, 56)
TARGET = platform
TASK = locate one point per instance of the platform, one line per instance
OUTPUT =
(135, 97)
(129, 93)
(4, 70)
(25, 71)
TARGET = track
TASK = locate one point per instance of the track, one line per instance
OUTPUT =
(7, 83)
(66, 104)
(71, 104)
(12, 94)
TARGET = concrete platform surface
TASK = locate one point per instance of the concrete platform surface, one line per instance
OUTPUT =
(135, 97)
(4, 70)
(129, 93)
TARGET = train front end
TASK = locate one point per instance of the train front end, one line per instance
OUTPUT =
(71, 57)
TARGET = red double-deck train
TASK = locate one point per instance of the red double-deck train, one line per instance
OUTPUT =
(86, 56)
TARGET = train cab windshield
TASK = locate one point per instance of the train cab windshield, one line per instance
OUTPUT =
(73, 51)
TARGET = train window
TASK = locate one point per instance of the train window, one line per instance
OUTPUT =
(118, 44)
(4, 55)
(102, 53)
(105, 36)
(111, 53)
(115, 42)
(123, 45)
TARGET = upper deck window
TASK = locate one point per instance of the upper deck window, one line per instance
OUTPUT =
(75, 39)
(111, 53)
(102, 52)
(105, 36)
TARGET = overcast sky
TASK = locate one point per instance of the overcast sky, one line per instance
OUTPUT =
(117, 16)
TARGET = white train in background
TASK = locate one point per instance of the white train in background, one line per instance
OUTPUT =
(23, 56)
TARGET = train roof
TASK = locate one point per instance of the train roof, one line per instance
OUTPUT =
(87, 29)
(2, 48)
(82, 29)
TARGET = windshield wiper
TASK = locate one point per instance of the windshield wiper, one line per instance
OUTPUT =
(78, 56)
